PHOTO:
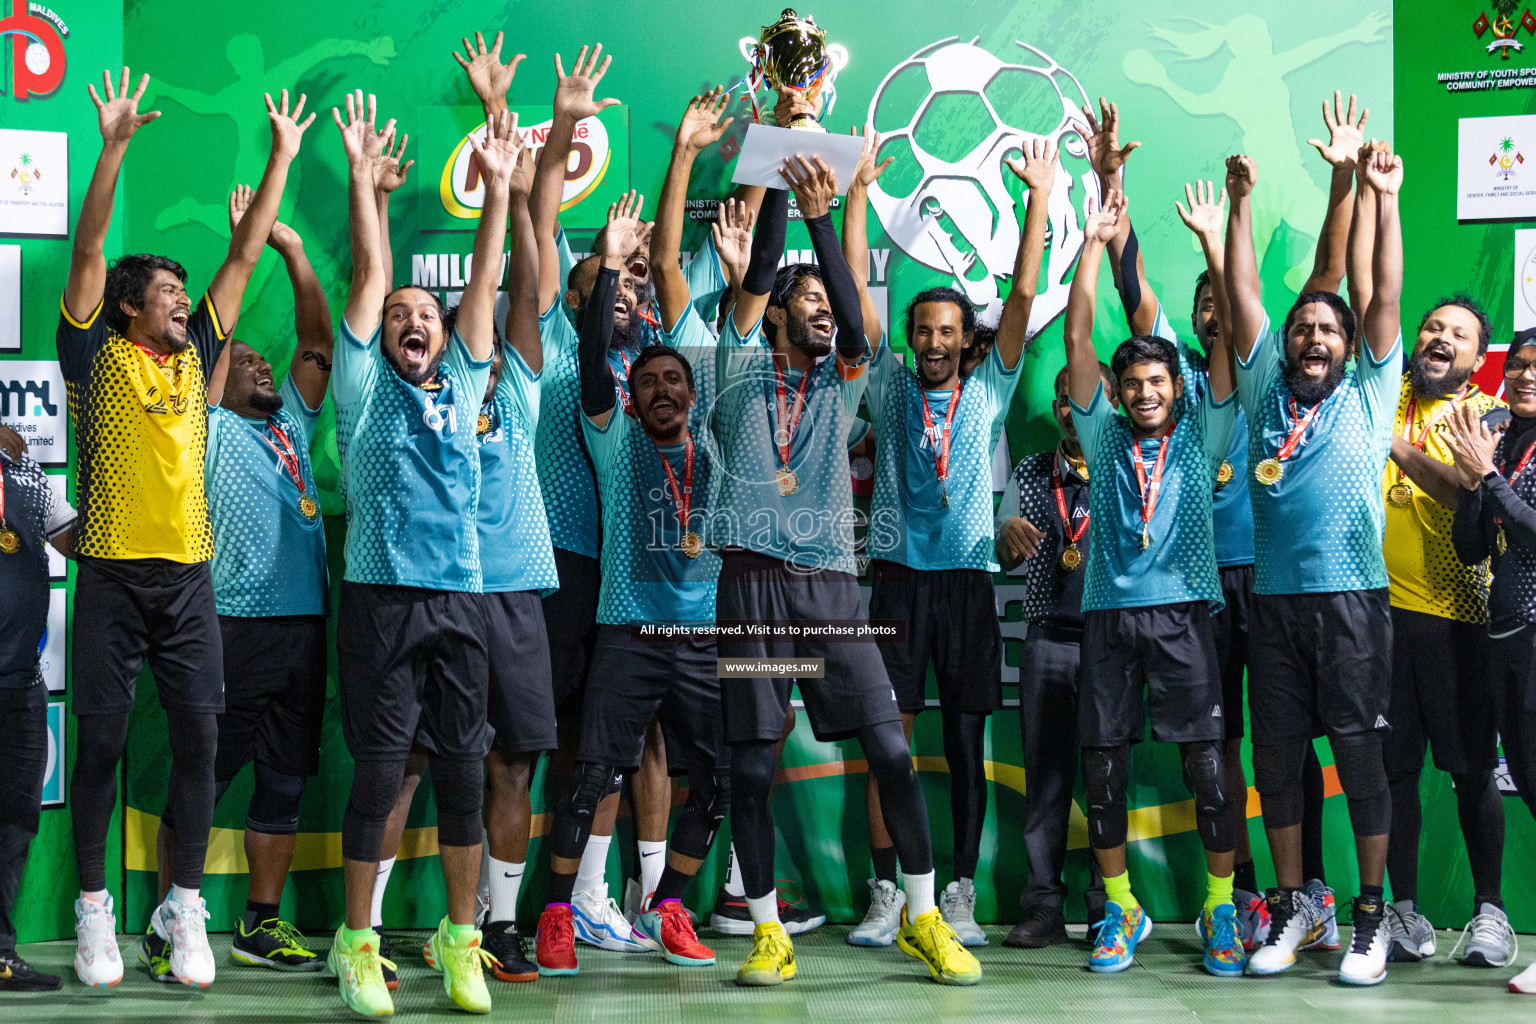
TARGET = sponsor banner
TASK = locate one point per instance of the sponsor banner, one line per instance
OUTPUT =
(32, 403)
(34, 183)
(54, 646)
(53, 778)
(1525, 279)
(1495, 176)
(10, 298)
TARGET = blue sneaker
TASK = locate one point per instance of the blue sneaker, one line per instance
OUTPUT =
(1223, 948)
(1115, 948)
(599, 922)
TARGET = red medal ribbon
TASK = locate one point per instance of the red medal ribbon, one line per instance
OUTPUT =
(286, 454)
(1413, 404)
(1520, 468)
(786, 433)
(1297, 431)
(623, 385)
(162, 359)
(1149, 494)
(941, 450)
(682, 497)
(1073, 535)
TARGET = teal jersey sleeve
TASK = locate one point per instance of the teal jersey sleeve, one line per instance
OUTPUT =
(295, 406)
(1090, 422)
(706, 279)
(1381, 383)
(354, 364)
(605, 443)
(473, 375)
(1258, 371)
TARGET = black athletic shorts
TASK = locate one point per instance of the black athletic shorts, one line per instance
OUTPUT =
(1441, 696)
(951, 617)
(130, 609)
(1319, 663)
(633, 682)
(409, 656)
(570, 622)
(1230, 628)
(522, 705)
(855, 691)
(1159, 660)
(275, 702)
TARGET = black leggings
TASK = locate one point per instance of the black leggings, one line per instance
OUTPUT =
(965, 740)
(1106, 777)
(901, 803)
(1481, 812)
(1517, 733)
(1277, 774)
(99, 742)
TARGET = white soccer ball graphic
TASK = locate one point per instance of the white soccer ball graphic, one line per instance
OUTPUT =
(950, 114)
(37, 58)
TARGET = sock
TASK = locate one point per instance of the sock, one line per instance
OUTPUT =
(733, 883)
(456, 931)
(351, 935)
(653, 860)
(1479, 900)
(1376, 892)
(764, 909)
(1244, 877)
(671, 886)
(919, 890)
(593, 871)
(99, 896)
(255, 913)
(182, 895)
(885, 863)
(1118, 889)
(505, 880)
(1217, 891)
(380, 883)
(561, 886)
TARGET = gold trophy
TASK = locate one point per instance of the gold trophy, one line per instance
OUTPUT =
(793, 51)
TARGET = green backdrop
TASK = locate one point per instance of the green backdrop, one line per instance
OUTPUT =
(950, 85)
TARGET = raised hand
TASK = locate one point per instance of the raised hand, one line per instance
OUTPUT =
(118, 115)
(1206, 215)
(488, 76)
(573, 92)
(1346, 133)
(358, 139)
(503, 146)
(792, 103)
(814, 185)
(1242, 176)
(1472, 444)
(868, 172)
(239, 202)
(1105, 153)
(1384, 172)
(732, 232)
(521, 182)
(388, 172)
(625, 229)
(1102, 224)
(701, 126)
(287, 130)
(1037, 166)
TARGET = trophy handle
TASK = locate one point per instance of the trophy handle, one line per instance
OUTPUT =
(838, 54)
(747, 44)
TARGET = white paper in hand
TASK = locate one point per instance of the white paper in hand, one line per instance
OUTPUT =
(766, 148)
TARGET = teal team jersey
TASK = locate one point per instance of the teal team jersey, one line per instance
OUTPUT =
(268, 557)
(1179, 563)
(909, 522)
(1231, 511)
(410, 469)
(1318, 529)
(515, 552)
(813, 527)
(646, 576)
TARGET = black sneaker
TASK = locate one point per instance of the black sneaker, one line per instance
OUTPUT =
(503, 941)
(730, 916)
(387, 952)
(272, 943)
(155, 955)
(1042, 926)
(796, 917)
(16, 975)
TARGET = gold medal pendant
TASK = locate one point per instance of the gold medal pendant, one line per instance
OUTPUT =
(1224, 474)
(483, 424)
(10, 542)
(1146, 539)
(1499, 541)
(1070, 558)
(788, 482)
(309, 507)
(1400, 495)
(693, 544)
(1268, 472)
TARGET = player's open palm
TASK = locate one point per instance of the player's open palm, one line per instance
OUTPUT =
(1206, 211)
(488, 76)
(287, 130)
(1346, 132)
(867, 172)
(1103, 223)
(574, 91)
(732, 233)
(1036, 166)
(1105, 154)
(625, 230)
(701, 126)
(118, 115)
(499, 153)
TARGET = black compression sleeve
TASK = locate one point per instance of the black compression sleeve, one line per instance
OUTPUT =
(1469, 534)
(1519, 518)
(596, 335)
(842, 292)
(767, 243)
(1130, 281)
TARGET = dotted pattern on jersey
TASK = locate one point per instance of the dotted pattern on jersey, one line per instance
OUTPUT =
(1231, 508)
(1037, 505)
(517, 555)
(565, 469)
(1424, 573)
(1513, 594)
(24, 575)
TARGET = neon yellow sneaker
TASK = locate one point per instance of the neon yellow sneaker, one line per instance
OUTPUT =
(772, 960)
(463, 962)
(359, 974)
(931, 940)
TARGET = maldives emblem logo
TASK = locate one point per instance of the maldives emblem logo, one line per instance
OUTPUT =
(1504, 27)
(36, 36)
(1506, 159)
(25, 174)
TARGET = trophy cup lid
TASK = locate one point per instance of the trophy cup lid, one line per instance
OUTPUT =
(789, 22)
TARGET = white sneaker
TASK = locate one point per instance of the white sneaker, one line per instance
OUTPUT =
(599, 922)
(1493, 942)
(1413, 937)
(1294, 922)
(883, 919)
(1524, 983)
(957, 905)
(1366, 961)
(182, 924)
(97, 961)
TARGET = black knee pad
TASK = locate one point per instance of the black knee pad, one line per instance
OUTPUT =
(1105, 773)
(1363, 777)
(590, 783)
(274, 809)
(1277, 776)
(709, 796)
(459, 789)
(375, 786)
(1206, 779)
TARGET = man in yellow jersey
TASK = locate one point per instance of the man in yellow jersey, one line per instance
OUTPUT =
(1439, 698)
(136, 355)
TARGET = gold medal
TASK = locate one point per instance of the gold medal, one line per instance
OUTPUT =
(309, 507)
(788, 482)
(1400, 495)
(1070, 558)
(1224, 474)
(483, 424)
(1146, 539)
(10, 543)
(693, 544)
(1268, 472)
(1498, 541)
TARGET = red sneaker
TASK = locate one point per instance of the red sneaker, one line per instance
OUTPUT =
(555, 942)
(668, 925)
